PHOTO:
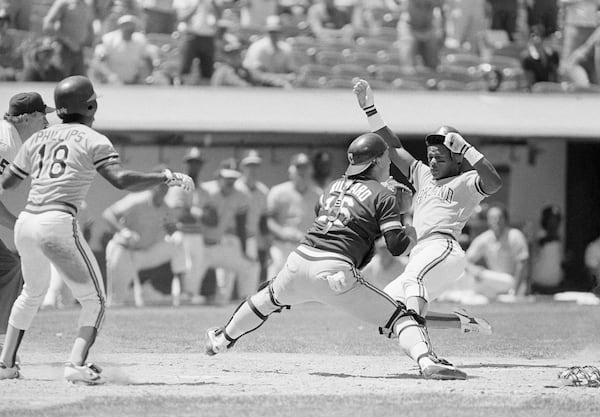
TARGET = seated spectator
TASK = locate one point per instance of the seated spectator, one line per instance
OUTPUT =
(577, 66)
(493, 78)
(328, 20)
(539, 61)
(123, 56)
(270, 57)
(504, 16)
(466, 24)
(543, 13)
(497, 258)
(423, 23)
(40, 64)
(10, 56)
(547, 257)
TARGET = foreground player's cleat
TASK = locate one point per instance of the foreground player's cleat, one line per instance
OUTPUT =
(214, 343)
(9, 373)
(88, 374)
(472, 324)
(442, 369)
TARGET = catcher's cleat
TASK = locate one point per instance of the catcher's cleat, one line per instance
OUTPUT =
(88, 374)
(588, 376)
(9, 373)
(442, 369)
(214, 343)
(472, 324)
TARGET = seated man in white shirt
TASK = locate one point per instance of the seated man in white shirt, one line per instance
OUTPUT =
(123, 56)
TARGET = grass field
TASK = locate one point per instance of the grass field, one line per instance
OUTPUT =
(309, 361)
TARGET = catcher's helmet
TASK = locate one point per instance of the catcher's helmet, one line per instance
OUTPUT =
(437, 137)
(75, 95)
(363, 151)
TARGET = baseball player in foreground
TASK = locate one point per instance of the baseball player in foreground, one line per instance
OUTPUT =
(26, 115)
(446, 196)
(352, 213)
(62, 162)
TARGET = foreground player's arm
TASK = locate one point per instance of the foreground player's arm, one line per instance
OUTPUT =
(401, 158)
(7, 219)
(125, 179)
(489, 179)
(399, 241)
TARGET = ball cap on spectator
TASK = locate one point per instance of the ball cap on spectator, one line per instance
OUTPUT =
(273, 24)
(300, 160)
(193, 154)
(24, 103)
(228, 169)
(252, 157)
(128, 19)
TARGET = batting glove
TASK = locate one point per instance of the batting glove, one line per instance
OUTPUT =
(177, 179)
(457, 144)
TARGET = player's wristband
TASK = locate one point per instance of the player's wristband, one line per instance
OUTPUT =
(375, 120)
(473, 156)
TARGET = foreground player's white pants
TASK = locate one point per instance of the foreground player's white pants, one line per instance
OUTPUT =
(123, 264)
(54, 237)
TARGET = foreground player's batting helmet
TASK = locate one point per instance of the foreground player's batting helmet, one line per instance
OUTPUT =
(363, 151)
(437, 137)
(75, 95)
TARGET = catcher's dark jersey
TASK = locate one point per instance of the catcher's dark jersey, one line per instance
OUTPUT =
(351, 216)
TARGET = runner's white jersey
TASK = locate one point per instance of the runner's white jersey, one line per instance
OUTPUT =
(443, 205)
(62, 161)
(10, 142)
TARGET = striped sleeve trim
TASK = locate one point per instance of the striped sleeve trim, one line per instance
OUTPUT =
(111, 159)
(479, 189)
(394, 224)
(18, 171)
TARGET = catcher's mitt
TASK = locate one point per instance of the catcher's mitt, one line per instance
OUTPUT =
(210, 216)
(403, 193)
(581, 376)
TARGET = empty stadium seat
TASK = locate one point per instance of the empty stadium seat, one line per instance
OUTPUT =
(330, 58)
(461, 60)
(388, 72)
(374, 44)
(350, 71)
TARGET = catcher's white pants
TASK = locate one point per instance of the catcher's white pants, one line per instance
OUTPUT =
(228, 255)
(123, 264)
(54, 238)
(433, 266)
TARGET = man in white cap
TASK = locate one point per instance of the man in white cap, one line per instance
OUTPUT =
(291, 210)
(26, 115)
(258, 238)
(224, 220)
(123, 56)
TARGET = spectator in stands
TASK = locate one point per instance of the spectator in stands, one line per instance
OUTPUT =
(142, 240)
(10, 52)
(493, 78)
(328, 20)
(466, 24)
(114, 9)
(497, 258)
(254, 13)
(580, 19)
(19, 12)
(291, 210)
(159, 15)
(543, 13)
(322, 166)
(548, 258)
(504, 16)
(539, 61)
(198, 23)
(40, 63)
(258, 240)
(592, 262)
(123, 56)
(583, 66)
(70, 22)
(425, 23)
(270, 58)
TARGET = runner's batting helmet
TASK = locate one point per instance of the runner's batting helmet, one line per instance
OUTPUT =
(437, 137)
(75, 95)
(363, 151)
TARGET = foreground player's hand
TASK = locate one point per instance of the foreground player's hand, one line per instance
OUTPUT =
(177, 179)
(456, 143)
(364, 94)
(411, 232)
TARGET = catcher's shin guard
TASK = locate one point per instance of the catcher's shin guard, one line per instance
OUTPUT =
(252, 313)
(412, 334)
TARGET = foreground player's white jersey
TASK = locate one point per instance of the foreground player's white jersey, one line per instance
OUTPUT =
(10, 142)
(443, 205)
(62, 161)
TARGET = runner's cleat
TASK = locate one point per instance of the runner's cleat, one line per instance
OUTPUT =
(85, 374)
(472, 324)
